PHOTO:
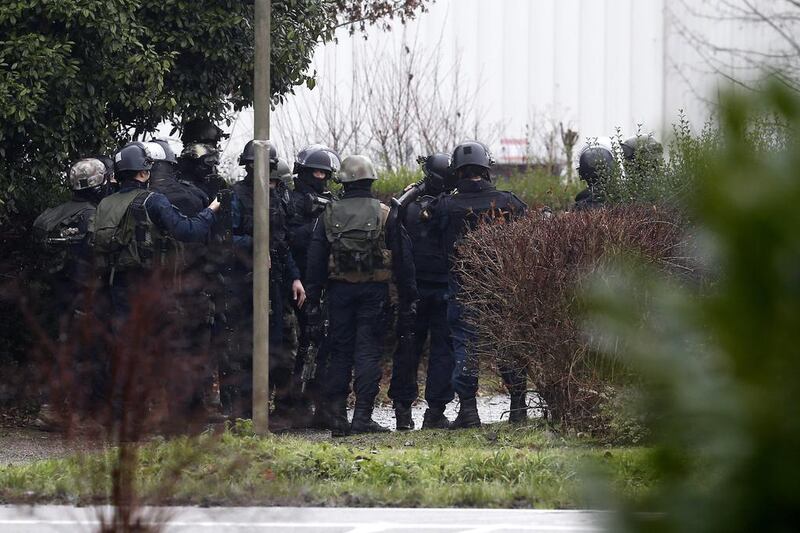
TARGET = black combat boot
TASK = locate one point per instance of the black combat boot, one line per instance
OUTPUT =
(402, 416)
(435, 419)
(519, 408)
(363, 422)
(467, 415)
(337, 418)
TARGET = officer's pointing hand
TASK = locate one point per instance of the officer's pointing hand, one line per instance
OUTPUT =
(299, 293)
(215, 205)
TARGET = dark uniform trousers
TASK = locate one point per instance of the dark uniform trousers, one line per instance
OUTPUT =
(431, 320)
(355, 339)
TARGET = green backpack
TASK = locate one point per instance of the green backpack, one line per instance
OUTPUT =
(124, 236)
(355, 229)
(59, 231)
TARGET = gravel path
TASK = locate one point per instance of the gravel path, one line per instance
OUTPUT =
(23, 445)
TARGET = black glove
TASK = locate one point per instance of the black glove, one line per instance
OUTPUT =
(406, 319)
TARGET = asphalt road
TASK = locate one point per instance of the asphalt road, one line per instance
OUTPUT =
(40, 519)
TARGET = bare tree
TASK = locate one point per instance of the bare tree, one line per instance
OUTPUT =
(401, 102)
(778, 21)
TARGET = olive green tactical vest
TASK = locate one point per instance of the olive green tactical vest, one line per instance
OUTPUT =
(125, 237)
(355, 229)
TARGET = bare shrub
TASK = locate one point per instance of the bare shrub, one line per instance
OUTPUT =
(523, 281)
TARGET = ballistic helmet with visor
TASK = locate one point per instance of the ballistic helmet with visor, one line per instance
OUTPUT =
(87, 174)
(204, 152)
(471, 153)
(132, 157)
(317, 156)
(357, 168)
(436, 168)
(596, 163)
(248, 155)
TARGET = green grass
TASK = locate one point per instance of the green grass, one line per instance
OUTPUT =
(534, 188)
(496, 466)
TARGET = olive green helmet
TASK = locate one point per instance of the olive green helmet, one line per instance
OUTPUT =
(356, 168)
(282, 172)
(642, 145)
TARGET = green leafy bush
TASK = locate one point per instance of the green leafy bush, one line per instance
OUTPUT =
(721, 369)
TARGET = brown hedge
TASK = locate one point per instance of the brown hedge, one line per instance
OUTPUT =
(522, 280)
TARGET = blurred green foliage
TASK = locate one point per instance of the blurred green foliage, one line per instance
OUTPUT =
(720, 362)
(536, 188)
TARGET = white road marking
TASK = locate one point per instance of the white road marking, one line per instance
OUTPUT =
(359, 527)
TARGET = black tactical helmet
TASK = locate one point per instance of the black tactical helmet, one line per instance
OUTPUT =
(641, 144)
(109, 164)
(317, 156)
(436, 168)
(201, 131)
(596, 162)
(132, 157)
(249, 154)
(471, 153)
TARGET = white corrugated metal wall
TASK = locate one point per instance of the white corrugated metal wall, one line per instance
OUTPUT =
(594, 64)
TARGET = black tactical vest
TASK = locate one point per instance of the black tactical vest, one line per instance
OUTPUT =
(244, 191)
(467, 210)
(430, 261)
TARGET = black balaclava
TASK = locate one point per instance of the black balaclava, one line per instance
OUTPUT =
(162, 170)
(93, 195)
(470, 171)
(306, 176)
(360, 185)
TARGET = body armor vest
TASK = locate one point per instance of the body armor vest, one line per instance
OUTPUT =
(356, 231)
(430, 261)
(125, 236)
(244, 191)
(467, 210)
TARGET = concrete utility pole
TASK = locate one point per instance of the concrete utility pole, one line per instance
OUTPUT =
(261, 103)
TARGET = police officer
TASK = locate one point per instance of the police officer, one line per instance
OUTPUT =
(314, 166)
(283, 274)
(430, 264)
(357, 255)
(595, 166)
(200, 156)
(155, 219)
(197, 166)
(136, 235)
(196, 305)
(63, 232)
(187, 197)
(474, 201)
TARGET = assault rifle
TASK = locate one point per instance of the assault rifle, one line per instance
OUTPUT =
(315, 335)
(224, 274)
